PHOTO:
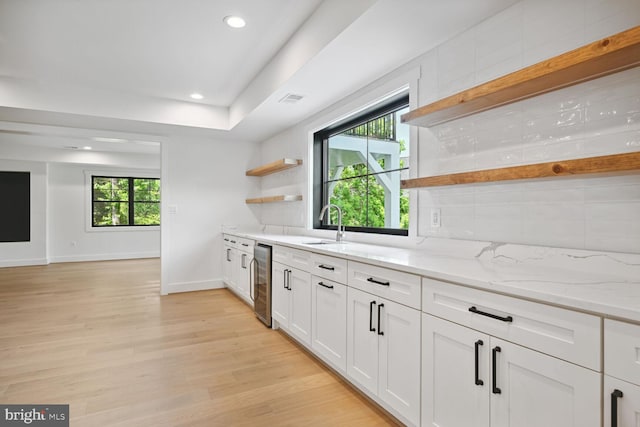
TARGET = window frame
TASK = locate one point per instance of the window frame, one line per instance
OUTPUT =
(321, 156)
(123, 174)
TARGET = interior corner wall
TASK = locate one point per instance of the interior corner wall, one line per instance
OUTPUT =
(204, 187)
(33, 252)
(69, 240)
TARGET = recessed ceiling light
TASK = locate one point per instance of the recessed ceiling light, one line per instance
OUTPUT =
(196, 96)
(86, 147)
(234, 21)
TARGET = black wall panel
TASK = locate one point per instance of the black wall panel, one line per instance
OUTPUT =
(15, 207)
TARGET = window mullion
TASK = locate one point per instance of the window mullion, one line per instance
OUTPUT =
(131, 199)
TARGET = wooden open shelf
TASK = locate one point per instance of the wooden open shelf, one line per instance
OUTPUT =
(272, 199)
(273, 167)
(610, 55)
(590, 165)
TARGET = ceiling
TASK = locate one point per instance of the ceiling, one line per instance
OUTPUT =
(91, 68)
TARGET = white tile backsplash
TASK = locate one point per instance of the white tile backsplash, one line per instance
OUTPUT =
(594, 118)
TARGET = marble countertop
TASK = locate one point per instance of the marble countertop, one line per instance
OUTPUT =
(607, 284)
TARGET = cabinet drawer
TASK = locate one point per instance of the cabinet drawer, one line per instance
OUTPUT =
(622, 350)
(562, 333)
(292, 257)
(230, 240)
(329, 267)
(397, 286)
(245, 245)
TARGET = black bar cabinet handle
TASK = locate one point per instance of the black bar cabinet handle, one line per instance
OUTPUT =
(326, 267)
(377, 282)
(228, 250)
(326, 286)
(233, 241)
(477, 348)
(285, 278)
(289, 279)
(371, 328)
(493, 316)
(494, 352)
(245, 244)
(614, 407)
(226, 240)
(379, 328)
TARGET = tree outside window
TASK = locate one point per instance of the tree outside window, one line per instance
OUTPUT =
(120, 201)
(363, 162)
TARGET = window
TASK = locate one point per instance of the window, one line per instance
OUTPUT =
(121, 201)
(358, 167)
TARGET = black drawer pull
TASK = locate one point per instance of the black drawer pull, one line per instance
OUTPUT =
(326, 286)
(379, 328)
(371, 328)
(494, 353)
(244, 244)
(377, 282)
(614, 407)
(493, 316)
(326, 267)
(233, 241)
(226, 240)
(477, 348)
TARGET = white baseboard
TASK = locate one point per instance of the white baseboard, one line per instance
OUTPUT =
(23, 262)
(201, 285)
(105, 257)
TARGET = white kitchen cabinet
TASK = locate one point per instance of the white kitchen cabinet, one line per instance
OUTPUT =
(329, 321)
(511, 386)
(291, 301)
(236, 268)
(383, 348)
(624, 398)
(622, 374)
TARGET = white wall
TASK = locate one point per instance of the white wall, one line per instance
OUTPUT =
(33, 252)
(204, 188)
(69, 239)
(592, 119)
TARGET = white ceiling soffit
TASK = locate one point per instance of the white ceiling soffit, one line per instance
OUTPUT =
(131, 65)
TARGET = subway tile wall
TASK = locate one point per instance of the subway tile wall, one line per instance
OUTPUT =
(595, 118)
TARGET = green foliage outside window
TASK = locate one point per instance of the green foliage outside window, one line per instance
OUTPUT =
(125, 201)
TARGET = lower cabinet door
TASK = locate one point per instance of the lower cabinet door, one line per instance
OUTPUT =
(329, 321)
(243, 274)
(280, 295)
(624, 398)
(399, 358)
(362, 339)
(299, 283)
(228, 266)
(539, 390)
(454, 392)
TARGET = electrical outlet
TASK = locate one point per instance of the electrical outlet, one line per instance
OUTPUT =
(435, 217)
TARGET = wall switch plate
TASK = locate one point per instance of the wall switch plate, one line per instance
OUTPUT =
(435, 217)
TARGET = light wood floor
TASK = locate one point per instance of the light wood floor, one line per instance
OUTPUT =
(99, 337)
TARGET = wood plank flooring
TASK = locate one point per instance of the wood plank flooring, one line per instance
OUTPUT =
(99, 337)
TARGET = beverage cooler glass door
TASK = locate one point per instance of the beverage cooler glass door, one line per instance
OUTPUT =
(262, 283)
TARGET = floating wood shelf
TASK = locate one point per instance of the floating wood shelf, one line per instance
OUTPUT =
(590, 165)
(273, 167)
(272, 199)
(607, 56)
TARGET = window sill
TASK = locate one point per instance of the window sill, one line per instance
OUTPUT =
(92, 229)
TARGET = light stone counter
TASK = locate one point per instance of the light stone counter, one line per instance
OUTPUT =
(607, 284)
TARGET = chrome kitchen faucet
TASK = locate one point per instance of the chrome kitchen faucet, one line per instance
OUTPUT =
(340, 233)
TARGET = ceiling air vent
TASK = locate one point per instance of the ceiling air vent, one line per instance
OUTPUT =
(291, 98)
